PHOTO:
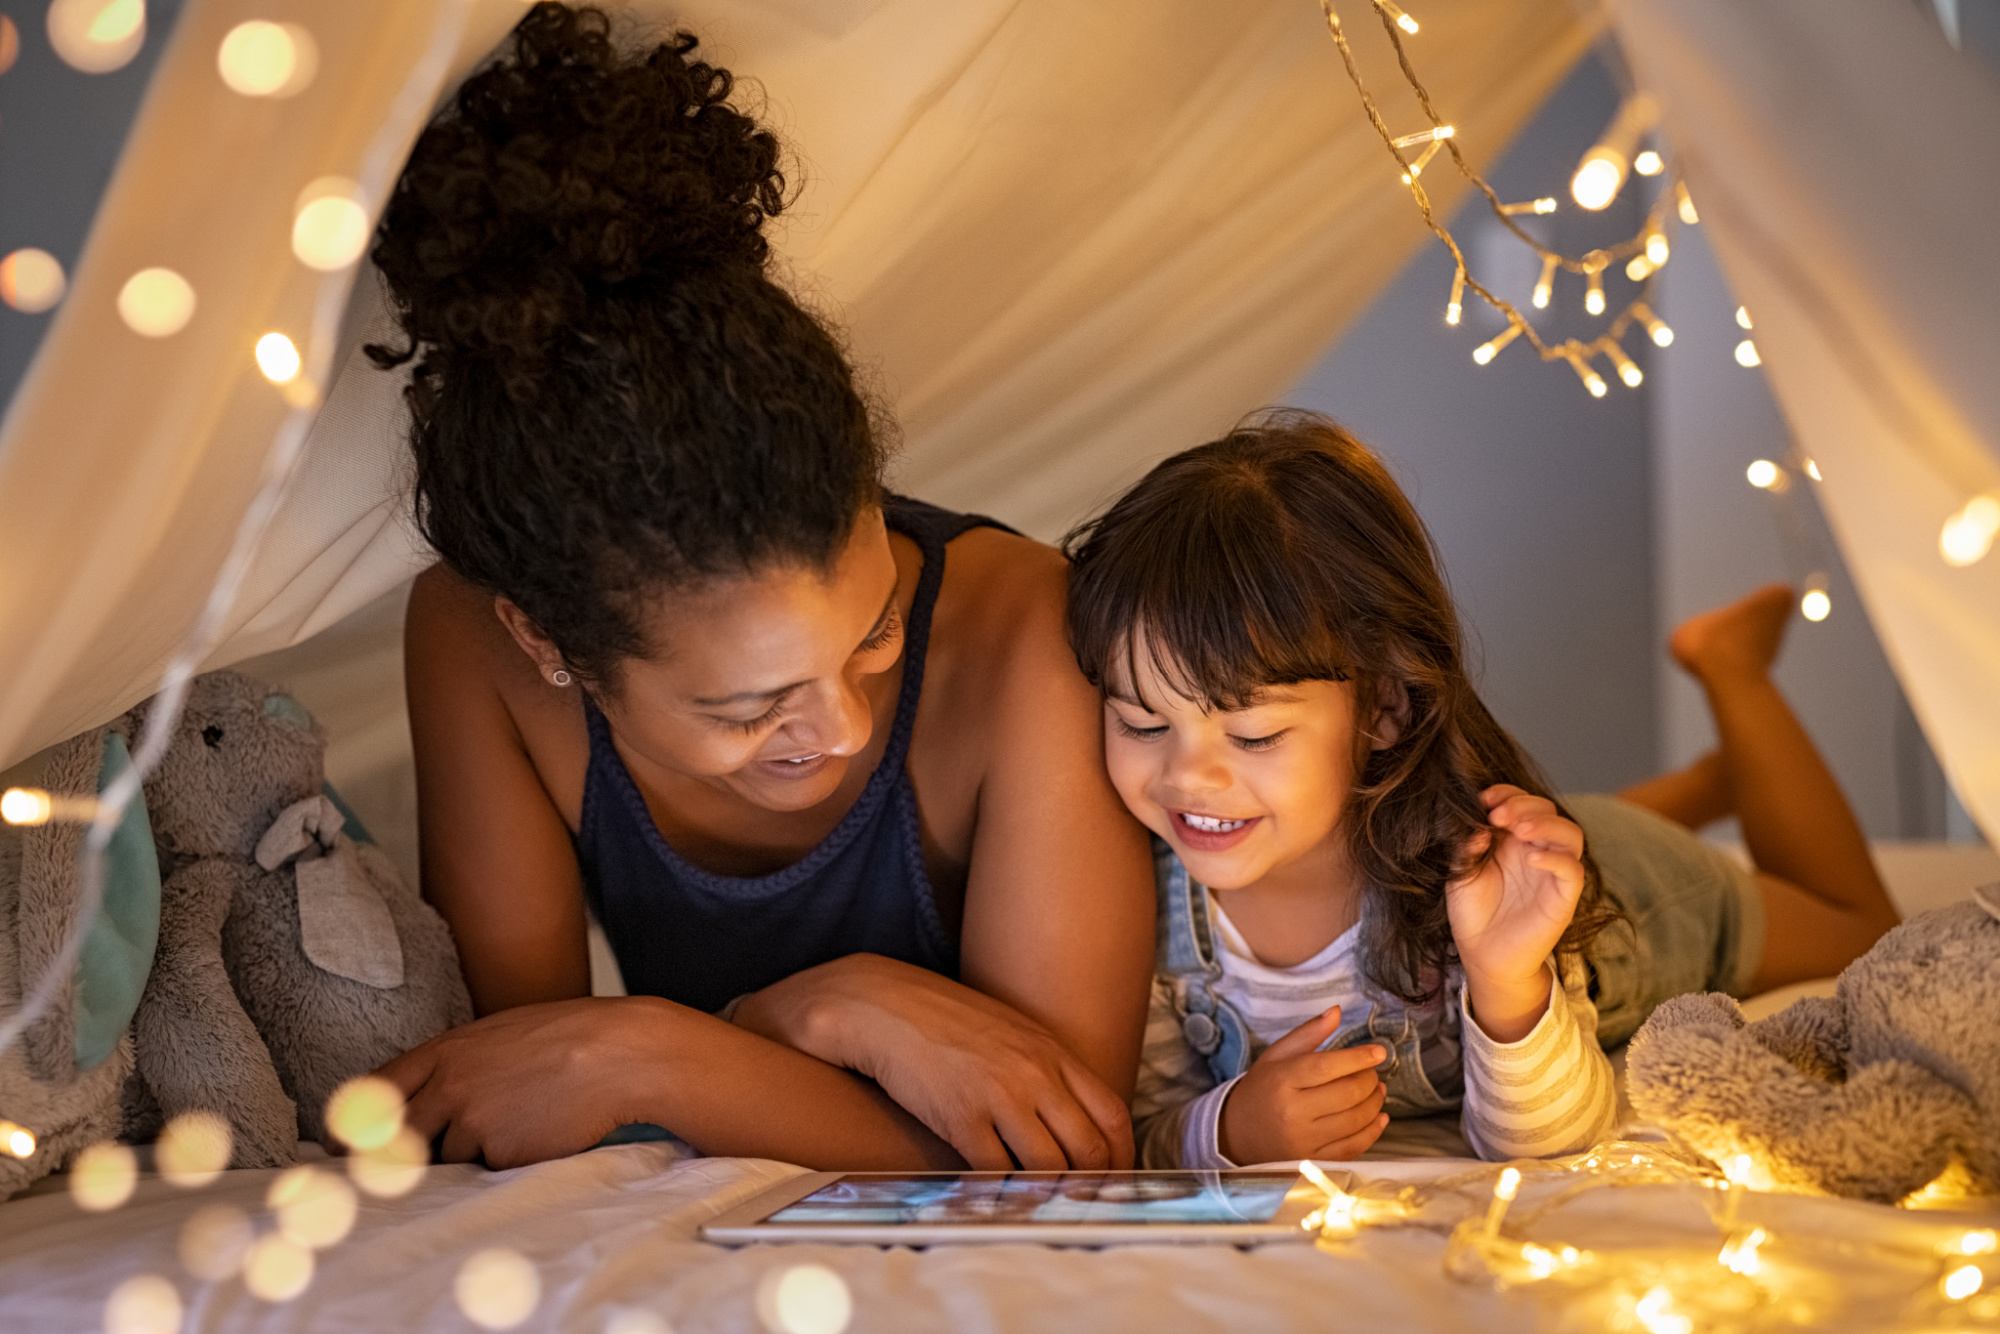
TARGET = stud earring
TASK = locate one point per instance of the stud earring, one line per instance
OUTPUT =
(560, 677)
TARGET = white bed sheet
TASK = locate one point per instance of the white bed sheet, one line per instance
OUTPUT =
(613, 1231)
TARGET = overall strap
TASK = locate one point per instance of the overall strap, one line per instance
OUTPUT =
(1186, 958)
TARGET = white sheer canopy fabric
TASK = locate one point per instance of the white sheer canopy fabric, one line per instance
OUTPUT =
(1846, 164)
(1064, 240)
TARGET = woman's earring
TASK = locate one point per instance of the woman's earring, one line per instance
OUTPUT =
(560, 677)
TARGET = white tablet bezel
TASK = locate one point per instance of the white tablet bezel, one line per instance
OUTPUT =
(746, 1223)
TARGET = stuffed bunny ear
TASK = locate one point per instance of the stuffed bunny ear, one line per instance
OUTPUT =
(94, 1004)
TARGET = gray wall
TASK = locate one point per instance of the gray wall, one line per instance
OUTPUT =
(1539, 495)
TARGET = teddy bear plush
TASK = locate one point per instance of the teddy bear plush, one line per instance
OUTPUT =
(283, 954)
(1873, 1093)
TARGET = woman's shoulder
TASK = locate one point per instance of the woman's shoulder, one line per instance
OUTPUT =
(999, 612)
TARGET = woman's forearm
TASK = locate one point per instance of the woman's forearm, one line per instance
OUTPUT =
(729, 1092)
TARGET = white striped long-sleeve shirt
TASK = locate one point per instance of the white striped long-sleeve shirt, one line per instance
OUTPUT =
(1549, 1093)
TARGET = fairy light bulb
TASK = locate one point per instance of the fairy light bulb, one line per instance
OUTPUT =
(1980, 1241)
(1649, 163)
(97, 36)
(25, 806)
(1764, 475)
(1656, 328)
(1638, 268)
(1395, 14)
(1747, 356)
(1742, 317)
(1540, 207)
(277, 358)
(1656, 248)
(1454, 309)
(1684, 204)
(1740, 1254)
(1815, 604)
(1434, 134)
(1593, 296)
(156, 303)
(16, 1139)
(259, 58)
(1811, 469)
(497, 1288)
(1545, 284)
(1962, 1283)
(103, 1176)
(1490, 349)
(330, 228)
(1584, 372)
(804, 1299)
(1968, 535)
(1628, 369)
(31, 280)
(1597, 180)
(1656, 1314)
(1423, 160)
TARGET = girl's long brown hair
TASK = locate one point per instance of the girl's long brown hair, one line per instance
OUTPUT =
(1284, 552)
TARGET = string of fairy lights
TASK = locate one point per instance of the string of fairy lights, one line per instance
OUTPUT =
(1751, 1275)
(1966, 536)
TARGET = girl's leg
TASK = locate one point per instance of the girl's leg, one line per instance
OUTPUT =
(1695, 796)
(1825, 904)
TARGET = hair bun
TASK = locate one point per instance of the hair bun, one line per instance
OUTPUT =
(562, 171)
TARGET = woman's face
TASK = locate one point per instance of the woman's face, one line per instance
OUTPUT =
(762, 687)
(1240, 793)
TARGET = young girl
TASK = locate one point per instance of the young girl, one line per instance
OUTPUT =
(1370, 903)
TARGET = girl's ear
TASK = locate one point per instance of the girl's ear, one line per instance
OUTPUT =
(1392, 714)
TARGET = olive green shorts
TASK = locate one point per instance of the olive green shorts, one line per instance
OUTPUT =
(1694, 916)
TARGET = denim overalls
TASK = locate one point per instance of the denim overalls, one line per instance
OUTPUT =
(1187, 962)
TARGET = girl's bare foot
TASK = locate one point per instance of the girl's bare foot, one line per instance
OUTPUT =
(1740, 639)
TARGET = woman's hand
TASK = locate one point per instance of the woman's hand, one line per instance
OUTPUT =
(1508, 914)
(983, 1078)
(534, 1082)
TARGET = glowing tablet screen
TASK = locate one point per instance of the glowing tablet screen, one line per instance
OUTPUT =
(1046, 1197)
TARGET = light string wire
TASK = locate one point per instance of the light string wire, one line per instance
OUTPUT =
(1593, 262)
(380, 162)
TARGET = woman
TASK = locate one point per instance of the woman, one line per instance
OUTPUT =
(807, 750)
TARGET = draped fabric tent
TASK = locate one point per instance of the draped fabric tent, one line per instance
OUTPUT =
(1063, 240)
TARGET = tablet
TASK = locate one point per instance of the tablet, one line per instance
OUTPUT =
(1045, 1208)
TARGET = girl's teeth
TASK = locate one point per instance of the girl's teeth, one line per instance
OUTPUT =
(1210, 826)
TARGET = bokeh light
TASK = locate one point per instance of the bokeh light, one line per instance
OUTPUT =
(10, 43)
(1747, 355)
(1763, 474)
(264, 59)
(330, 229)
(277, 1270)
(393, 1170)
(497, 1288)
(215, 1241)
(193, 1149)
(97, 36)
(804, 1299)
(1968, 535)
(157, 303)
(143, 1304)
(16, 1139)
(103, 1176)
(366, 1112)
(631, 1321)
(1598, 179)
(31, 280)
(315, 1209)
(1815, 604)
(277, 358)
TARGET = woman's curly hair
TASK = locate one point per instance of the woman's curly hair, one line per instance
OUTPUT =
(610, 395)
(1285, 552)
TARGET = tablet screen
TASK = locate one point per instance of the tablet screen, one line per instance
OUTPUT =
(1046, 1197)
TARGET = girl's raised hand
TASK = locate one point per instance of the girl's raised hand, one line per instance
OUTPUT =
(1508, 913)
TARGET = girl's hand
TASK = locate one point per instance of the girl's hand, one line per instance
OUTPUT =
(985, 1079)
(1508, 914)
(1297, 1101)
(532, 1083)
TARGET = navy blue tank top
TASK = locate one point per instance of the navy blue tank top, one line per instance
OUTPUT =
(702, 939)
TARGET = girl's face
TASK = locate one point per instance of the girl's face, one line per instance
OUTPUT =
(1237, 794)
(764, 689)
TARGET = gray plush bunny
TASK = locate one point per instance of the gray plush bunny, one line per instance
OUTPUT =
(1874, 1093)
(252, 953)
(291, 956)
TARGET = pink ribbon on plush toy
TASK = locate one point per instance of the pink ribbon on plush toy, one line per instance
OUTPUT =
(344, 926)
